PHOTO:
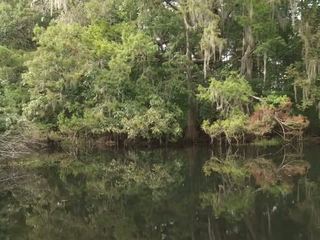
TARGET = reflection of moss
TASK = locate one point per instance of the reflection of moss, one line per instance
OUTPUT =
(239, 181)
(267, 142)
(306, 212)
(294, 169)
(263, 171)
(266, 174)
(229, 167)
(278, 190)
(233, 198)
(232, 205)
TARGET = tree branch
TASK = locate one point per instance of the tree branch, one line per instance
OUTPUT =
(169, 3)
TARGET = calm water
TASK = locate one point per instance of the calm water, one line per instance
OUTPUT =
(191, 193)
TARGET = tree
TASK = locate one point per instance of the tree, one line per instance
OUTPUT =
(94, 67)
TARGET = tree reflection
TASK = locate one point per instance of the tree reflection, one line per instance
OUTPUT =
(92, 199)
(250, 194)
(238, 194)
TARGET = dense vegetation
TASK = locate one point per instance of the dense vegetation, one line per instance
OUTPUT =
(159, 70)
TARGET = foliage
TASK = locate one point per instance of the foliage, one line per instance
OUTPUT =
(93, 67)
(226, 96)
(17, 22)
(233, 127)
(155, 123)
(276, 112)
(12, 94)
(231, 98)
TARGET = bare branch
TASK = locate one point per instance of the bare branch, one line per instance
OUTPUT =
(169, 3)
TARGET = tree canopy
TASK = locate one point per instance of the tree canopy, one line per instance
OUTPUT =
(160, 70)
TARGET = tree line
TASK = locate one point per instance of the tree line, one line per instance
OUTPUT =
(160, 70)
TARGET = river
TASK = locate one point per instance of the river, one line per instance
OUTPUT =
(196, 193)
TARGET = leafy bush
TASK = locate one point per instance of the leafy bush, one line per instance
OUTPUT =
(155, 123)
(233, 127)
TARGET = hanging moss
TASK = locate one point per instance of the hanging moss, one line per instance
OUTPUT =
(199, 14)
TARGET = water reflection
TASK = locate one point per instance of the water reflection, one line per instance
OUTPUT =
(196, 193)
(250, 193)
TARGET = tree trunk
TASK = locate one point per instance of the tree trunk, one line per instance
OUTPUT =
(264, 69)
(248, 47)
(191, 133)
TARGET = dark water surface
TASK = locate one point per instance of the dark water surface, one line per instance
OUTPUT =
(193, 193)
